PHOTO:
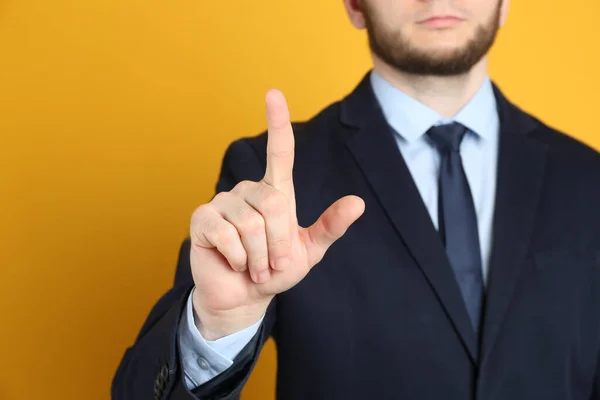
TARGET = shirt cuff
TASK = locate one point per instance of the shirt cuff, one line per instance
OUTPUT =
(202, 359)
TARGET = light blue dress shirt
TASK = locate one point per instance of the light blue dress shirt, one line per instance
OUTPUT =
(410, 119)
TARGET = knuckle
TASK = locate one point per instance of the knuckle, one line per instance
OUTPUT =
(243, 186)
(283, 154)
(259, 263)
(226, 236)
(278, 245)
(273, 202)
(202, 220)
(253, 224)
(220, 197)
(198, 215)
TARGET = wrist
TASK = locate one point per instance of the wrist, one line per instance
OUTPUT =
(214, 325)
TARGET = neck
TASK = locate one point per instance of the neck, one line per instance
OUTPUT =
(446, 95)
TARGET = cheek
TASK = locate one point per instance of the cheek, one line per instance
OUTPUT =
(477, 10)
(394, 12)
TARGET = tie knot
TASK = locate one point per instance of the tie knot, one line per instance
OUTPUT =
(447, 137)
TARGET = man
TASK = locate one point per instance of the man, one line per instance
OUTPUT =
(466, 262)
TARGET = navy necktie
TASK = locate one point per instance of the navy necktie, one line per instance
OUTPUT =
(457, 218)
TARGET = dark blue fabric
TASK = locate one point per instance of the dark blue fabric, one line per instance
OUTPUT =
(457, 218)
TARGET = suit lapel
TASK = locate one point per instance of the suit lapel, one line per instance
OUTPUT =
(370, 140)
(521, 161)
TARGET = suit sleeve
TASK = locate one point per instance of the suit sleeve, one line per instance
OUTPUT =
(151, 367)
(203, 360)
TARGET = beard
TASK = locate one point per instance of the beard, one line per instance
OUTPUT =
(396, 50)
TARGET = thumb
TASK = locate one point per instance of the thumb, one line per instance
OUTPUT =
(331, 226)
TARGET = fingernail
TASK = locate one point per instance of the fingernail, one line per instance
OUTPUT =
(263, 276)
(282, 262)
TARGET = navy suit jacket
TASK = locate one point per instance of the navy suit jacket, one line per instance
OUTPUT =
(381, 316)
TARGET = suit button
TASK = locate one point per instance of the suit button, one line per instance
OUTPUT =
(202, 363)
(164, 373)
(161, 381)
(158, 394)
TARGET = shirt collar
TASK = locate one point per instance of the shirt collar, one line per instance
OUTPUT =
(412, 119)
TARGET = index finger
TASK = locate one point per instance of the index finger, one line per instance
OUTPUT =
(280, 142)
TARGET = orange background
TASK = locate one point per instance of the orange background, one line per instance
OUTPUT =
(114, 116)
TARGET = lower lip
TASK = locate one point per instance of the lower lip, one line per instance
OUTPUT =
(441, 22)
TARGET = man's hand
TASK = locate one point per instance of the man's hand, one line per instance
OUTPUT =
(247, 245)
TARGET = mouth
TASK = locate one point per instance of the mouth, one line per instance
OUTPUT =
(440, 21)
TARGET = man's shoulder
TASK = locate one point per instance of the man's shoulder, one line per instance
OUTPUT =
(562, 147)
(571, 164)
(567, 149)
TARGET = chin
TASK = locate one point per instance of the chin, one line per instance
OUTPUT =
(443, 38)
(439, 52)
